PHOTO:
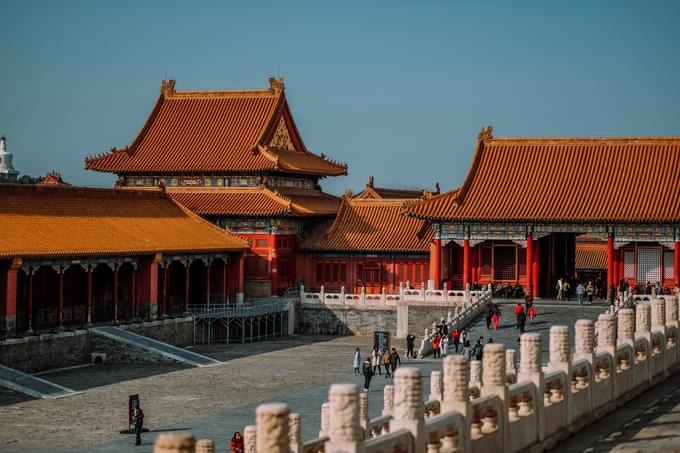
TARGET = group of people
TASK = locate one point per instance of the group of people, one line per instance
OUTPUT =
(378, 358)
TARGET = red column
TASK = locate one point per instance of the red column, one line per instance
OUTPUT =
(89, 295)
(224, 280)
(30, 300)
(466, 263)
(115, 293)
(207, 282)
(676, 262)
(134, 293)
(615, 270)
(164, 309)
(241, 272)
(610, 262)
(436, 262)
(60, 307)
(273, 265)
(535, 269)
(187, 267)
(528, 268)
(473, 259)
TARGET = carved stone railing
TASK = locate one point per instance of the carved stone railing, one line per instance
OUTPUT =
(471, 406)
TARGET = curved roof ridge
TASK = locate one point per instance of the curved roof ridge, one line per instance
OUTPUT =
(587, 139)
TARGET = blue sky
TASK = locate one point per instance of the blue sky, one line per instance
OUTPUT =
(398, 90)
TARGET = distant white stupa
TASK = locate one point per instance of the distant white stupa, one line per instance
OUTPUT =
(7, 171)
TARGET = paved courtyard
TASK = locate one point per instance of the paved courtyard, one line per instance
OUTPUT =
(214, 402)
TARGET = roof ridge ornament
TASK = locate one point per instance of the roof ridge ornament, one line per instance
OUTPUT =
(276, 84)
(167, 87)
(485, 134)
(370, 182)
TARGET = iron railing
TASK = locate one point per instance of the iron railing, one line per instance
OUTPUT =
(237, 311)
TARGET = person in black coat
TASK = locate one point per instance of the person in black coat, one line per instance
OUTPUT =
(368, 373)
(410, 342)
(138, 421)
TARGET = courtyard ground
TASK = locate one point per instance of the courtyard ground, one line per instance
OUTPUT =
(213, 402)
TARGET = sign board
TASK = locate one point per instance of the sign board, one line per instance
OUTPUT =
(381, 340)
(133, 402)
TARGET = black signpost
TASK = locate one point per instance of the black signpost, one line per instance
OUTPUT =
(381, 340)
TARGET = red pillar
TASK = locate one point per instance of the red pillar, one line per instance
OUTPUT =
(60, 307)
(147, 286)
(241, 274)
(164, 309)
(615, 270)
(134, 293)
(207, 282)
(528, 268)
(676, 262)
(466, 263)
(273, 265)
(610, 262)
(88, 308)
(436, 262)
(187, 267)
(224, 280)
(115, 293)
(535, 266)
(30, 300)
(474, 264)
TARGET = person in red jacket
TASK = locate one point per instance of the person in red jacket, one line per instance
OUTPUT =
(518, 309)
(436, 345)
(532, 314)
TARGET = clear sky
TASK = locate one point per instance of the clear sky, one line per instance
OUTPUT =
(398, 90)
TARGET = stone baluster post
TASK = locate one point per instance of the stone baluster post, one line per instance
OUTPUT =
(476, 373)
(322, 294)
(606, 334)
(401, 290)
(294, 439)
(363, 412)
(325, 419)
(436, 385)
(205, 446)
(383, 296)
(456, 397)
(302, 293)
(174, 443)
(585, 340)
(643, 321)
(560, 360)
(362, 296)
(272, 428)
(626, 327)
(250, 439)
(671, 311)
(388, 400)
(530, 370)
(510, 363)
(448, 315)
(468, 299)
(342, 294)
(494, 382)
(658, 316)
(344, 429)
(408, 406)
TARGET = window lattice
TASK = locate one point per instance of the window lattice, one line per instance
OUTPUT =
(649, 264)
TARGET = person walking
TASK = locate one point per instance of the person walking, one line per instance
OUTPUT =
(386, 362)
(376, 357)
(395, 361)
(558, 286)
(522, 321)
(496, 319)
(410, 342)
(532, 314)
(445, 346)
(444, 327)
(436, 344)
(518, 310)
(580, 292)
(368, 373)
(477, 351)
(590, 291)
(357, 362)
(237, 444)
(455, 337)
(138, 422)
(467, 351)
(487, 315)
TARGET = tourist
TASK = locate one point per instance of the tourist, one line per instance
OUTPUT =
(445, 328)
(495, 319)
(522, 321)
(490, 287)
(560, 295)
(528, 302)
(490, 341)
(477, 351)
(455, 337)
(566, 289)
(436, 345)
(590, 291)
(138, 421)
(386, 362)
(659, 289)
(410, 342)
(368, 373)
(376, 358)
(532, 314)
(236, 445)
(357, 362)
(445, 345)
(518, 310)
(580, 292)
(395, 360)
(487, 315)
(467, 351)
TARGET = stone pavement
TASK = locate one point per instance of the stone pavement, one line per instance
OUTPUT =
(214, 402)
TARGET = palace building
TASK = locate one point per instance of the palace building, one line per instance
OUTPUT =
(72, 256)
(237, 159)
(524, 201)
(370, 245)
